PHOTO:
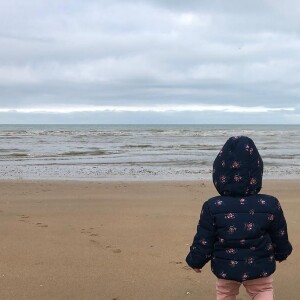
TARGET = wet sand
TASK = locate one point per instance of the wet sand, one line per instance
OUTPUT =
(117, 240)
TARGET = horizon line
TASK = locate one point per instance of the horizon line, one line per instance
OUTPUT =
(159, 108)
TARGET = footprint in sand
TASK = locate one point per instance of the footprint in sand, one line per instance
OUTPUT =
(116, 250)
(94, 241)
(89, 231)
(91, 234)
(41, 224)
(113, 250)
(24, 218)
(176, 262)
(186, 268)
(94, 234)
(85, 231)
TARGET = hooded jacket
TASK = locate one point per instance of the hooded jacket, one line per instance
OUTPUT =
(242, 232)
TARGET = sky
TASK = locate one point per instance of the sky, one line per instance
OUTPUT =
(150, 61)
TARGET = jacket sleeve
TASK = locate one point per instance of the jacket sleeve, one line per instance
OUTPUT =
(203, 243)
(279, 235)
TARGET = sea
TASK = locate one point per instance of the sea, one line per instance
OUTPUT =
(138, 152)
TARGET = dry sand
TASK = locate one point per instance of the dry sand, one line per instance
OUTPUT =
(117, 240)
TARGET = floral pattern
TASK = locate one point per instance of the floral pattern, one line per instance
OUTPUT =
(233, 263)
(237, 178)
(232, 229)
(249, 226)
(242, 201)
(230, 216)
(231, 251)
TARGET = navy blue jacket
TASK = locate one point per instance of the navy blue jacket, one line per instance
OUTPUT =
(242, 232)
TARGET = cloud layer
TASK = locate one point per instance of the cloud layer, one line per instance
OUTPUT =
(150, 53)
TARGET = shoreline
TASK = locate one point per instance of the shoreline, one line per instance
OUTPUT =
(131, 180)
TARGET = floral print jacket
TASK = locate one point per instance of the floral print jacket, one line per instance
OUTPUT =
(243, 233)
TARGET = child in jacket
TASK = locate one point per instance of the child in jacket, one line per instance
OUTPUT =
(243, 233)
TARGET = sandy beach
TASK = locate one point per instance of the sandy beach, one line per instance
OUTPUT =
(117, 240)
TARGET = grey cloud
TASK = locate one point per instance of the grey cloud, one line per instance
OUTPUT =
(114, 52)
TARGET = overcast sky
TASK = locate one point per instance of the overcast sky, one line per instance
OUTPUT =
(119, 61)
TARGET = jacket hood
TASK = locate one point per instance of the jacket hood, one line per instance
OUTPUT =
(238, 168)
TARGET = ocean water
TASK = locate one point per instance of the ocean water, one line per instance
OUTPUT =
(138, 152)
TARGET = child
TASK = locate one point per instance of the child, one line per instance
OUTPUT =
(242, 232)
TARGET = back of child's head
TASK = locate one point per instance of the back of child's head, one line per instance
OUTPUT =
(238, 168)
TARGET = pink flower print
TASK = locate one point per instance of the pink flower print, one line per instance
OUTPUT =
(262, 202)
(271, 217)
(223, 274)
(245, 276)
(203, 242)
(231, 251)
(237, 178)
(249, 226)
(264, 274)
(247, 147)
(269, 247)
(235, 165)
(281, 232)
(219, 202)
(251, 151)
(223, 163)
(242, 242)
(242, 201)
(271, 258)
(221, 240)
(232, 229)
(253, 181)
(223, 179)
(251, 212)
(230, 216)
(220, 153)
(252, 248)
(250, 260)
(233, 263)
